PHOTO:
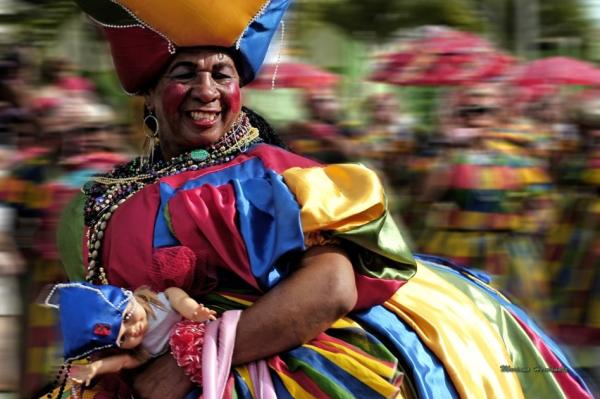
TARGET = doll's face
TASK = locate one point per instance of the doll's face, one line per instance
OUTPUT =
(134, 325)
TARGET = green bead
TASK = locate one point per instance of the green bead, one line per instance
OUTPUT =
(199, 155)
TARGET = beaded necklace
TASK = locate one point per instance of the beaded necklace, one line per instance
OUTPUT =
(106, 193)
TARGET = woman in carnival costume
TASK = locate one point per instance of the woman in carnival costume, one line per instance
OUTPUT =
(483, 213)
(572, 246)
(330, 296)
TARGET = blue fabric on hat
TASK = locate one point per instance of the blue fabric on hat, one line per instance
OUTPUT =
(255, 40)
(86, 307)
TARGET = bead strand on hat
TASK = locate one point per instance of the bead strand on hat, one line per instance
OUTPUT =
(278, 61)
(106, 193)
(170, 47)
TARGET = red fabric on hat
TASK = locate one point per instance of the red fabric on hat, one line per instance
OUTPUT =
(139, 54)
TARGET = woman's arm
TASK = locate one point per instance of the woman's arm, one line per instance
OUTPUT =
(305, 304)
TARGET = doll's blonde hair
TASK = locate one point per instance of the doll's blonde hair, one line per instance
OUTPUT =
(147, 297)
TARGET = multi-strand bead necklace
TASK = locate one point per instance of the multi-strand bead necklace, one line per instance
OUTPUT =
(106, 193)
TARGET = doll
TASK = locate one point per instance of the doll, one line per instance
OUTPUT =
(98, 317)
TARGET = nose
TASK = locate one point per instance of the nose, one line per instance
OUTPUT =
(132, 331)
(204, 88)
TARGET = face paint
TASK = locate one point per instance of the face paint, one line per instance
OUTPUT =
(235, 98)
(173, 97)
(197, 100)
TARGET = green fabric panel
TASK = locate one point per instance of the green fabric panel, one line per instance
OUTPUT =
(169, 220)
(329, 387)
(216, 301)
(382, 237)
(521, 349)
(356, 336)
(70, 238)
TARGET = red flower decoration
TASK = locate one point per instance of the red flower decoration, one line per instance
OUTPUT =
(102, 330)
(186, 347)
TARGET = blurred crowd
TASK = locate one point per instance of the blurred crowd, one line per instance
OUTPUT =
(55, 133)
(507, 183)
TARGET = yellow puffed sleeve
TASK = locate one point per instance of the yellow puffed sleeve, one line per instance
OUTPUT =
(336, 197)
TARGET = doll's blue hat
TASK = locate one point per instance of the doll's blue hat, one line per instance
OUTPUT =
(144, 35)
(90, 316)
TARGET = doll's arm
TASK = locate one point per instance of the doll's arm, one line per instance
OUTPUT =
(187, 306)
(84, 373)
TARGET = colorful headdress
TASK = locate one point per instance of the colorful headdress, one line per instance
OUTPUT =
(145, 34)
(90, 316)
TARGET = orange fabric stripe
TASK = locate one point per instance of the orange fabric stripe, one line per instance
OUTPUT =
(197, 22)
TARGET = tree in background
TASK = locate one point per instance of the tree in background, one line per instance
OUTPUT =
(380, 20)
(558, 25)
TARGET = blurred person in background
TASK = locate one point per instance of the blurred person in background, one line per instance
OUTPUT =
(76, 140)
(59, 75)
(481, 204)
(555, 132)
(17, 130)
(12, 264)
(324, 135)
(22, 191)
(388, 142)
(532, 155)
(573, 247)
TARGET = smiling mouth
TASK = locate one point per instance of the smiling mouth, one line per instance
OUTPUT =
(199, 116)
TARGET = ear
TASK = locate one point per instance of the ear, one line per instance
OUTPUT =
(148, 103)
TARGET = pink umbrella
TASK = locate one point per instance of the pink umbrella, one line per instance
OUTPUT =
(441, 56)
(451, 69)
(294, 75)
(558, 71)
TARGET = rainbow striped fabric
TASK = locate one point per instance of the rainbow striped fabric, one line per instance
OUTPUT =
(573, 258)
(485, 220)
(420, 328)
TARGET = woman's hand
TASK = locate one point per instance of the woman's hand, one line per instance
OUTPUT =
(162, 379)
(306, 303)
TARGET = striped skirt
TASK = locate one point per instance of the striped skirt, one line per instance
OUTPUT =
(444, 334)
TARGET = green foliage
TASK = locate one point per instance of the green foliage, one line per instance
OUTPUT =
(38, 21)
(377, 20)
(556, 18)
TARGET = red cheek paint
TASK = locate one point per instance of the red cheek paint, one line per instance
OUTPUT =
(234, 97)
(173, 97)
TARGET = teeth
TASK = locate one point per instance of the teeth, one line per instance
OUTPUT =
(203, 116)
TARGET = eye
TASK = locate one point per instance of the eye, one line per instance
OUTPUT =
(220, 76)
(128, 315)
(183, 75)
(183, 72)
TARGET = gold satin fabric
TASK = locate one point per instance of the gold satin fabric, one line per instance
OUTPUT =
(336, 197)
(459, 334)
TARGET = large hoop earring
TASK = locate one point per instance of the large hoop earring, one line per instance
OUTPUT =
(151, 138)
